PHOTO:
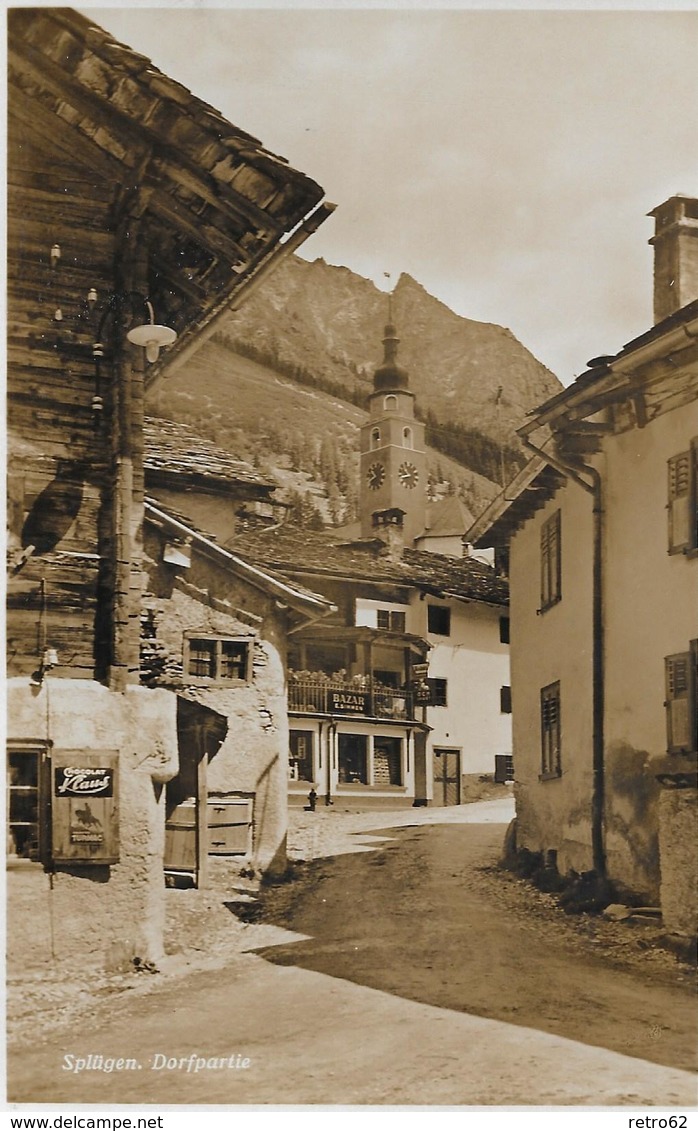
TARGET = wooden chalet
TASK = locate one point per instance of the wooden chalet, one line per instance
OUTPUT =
(130, 202)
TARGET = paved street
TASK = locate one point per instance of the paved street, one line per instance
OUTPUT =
(415, 973)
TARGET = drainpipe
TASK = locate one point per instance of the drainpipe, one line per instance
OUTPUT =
(594, 489)
(329, 758)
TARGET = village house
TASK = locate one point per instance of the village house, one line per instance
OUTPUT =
(601, 535)
(401, 696)
(215, 631)
(136, 216)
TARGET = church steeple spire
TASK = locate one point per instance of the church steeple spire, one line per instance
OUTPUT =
(390, 377)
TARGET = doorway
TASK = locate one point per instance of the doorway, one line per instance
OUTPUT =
(447, 784)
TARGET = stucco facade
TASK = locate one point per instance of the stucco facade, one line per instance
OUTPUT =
(474, 661)
(94, 912)
(553, 814)
(601, 532)
(650, 604)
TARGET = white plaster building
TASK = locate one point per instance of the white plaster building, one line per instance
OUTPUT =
(601, 531)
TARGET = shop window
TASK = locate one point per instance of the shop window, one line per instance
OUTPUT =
(438, 691)
(27, 803)
(550, 562)
(439, 620)
(504, 630)
(682, 505)
(300, 759)
(505, 700)
(217, 659)
(387, 761)
(551, 765)
(680, 702)
(391, 620)
(353, 759)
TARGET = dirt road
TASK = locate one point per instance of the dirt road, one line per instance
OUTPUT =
(427, 917)
(424, 977)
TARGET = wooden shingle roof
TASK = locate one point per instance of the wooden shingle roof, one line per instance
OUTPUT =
(175, 453)
(316, 554)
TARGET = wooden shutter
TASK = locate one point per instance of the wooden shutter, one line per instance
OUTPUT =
(680, 702)
(679, 486)
(550, 560)
(550, 730)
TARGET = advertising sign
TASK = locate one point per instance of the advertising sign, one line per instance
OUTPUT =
(349, 702)
(84, 813)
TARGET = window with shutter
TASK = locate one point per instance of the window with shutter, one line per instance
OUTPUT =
(551, 765)
(679, 498)
(680, 702)
(550, 562)
(682, 505)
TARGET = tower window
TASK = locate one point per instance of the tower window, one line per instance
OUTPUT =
(390, 403)
(376, 438)
(407, 437)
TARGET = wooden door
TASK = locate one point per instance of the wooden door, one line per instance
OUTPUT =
(446, 776)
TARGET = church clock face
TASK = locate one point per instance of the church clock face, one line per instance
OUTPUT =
(375, 476)
(408, 475)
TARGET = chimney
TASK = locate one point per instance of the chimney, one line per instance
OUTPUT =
(675, 243)
(389, 526)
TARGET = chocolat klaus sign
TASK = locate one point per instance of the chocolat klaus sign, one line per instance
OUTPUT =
(83, 781)
(85, 826)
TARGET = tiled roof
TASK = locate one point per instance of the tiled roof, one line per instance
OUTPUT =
(174, 449)
(317, 553)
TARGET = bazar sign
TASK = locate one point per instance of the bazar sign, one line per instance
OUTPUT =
(350, 702)
(80, 781)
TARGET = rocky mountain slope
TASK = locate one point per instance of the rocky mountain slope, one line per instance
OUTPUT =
(329, 322)
(284, 383)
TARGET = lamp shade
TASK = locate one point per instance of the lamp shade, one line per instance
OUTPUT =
(152, 337)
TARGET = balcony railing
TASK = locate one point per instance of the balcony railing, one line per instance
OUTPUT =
(338, 697)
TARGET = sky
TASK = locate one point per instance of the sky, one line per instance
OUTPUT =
(505, 159)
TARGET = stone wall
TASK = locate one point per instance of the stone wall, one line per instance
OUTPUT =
(678, 837)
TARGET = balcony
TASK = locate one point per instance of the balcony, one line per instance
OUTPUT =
(309, 693)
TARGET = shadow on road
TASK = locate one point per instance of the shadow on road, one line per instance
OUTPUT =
(428, 918)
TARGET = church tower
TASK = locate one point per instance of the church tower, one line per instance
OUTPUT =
(393, 460)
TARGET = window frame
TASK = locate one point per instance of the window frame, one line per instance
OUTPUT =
(438, 691)
(442, 610)
(505, 630)
(551, 561)
(392, 615)
(505, 699)
(215, 678)
(551, 750)
(41, 750)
